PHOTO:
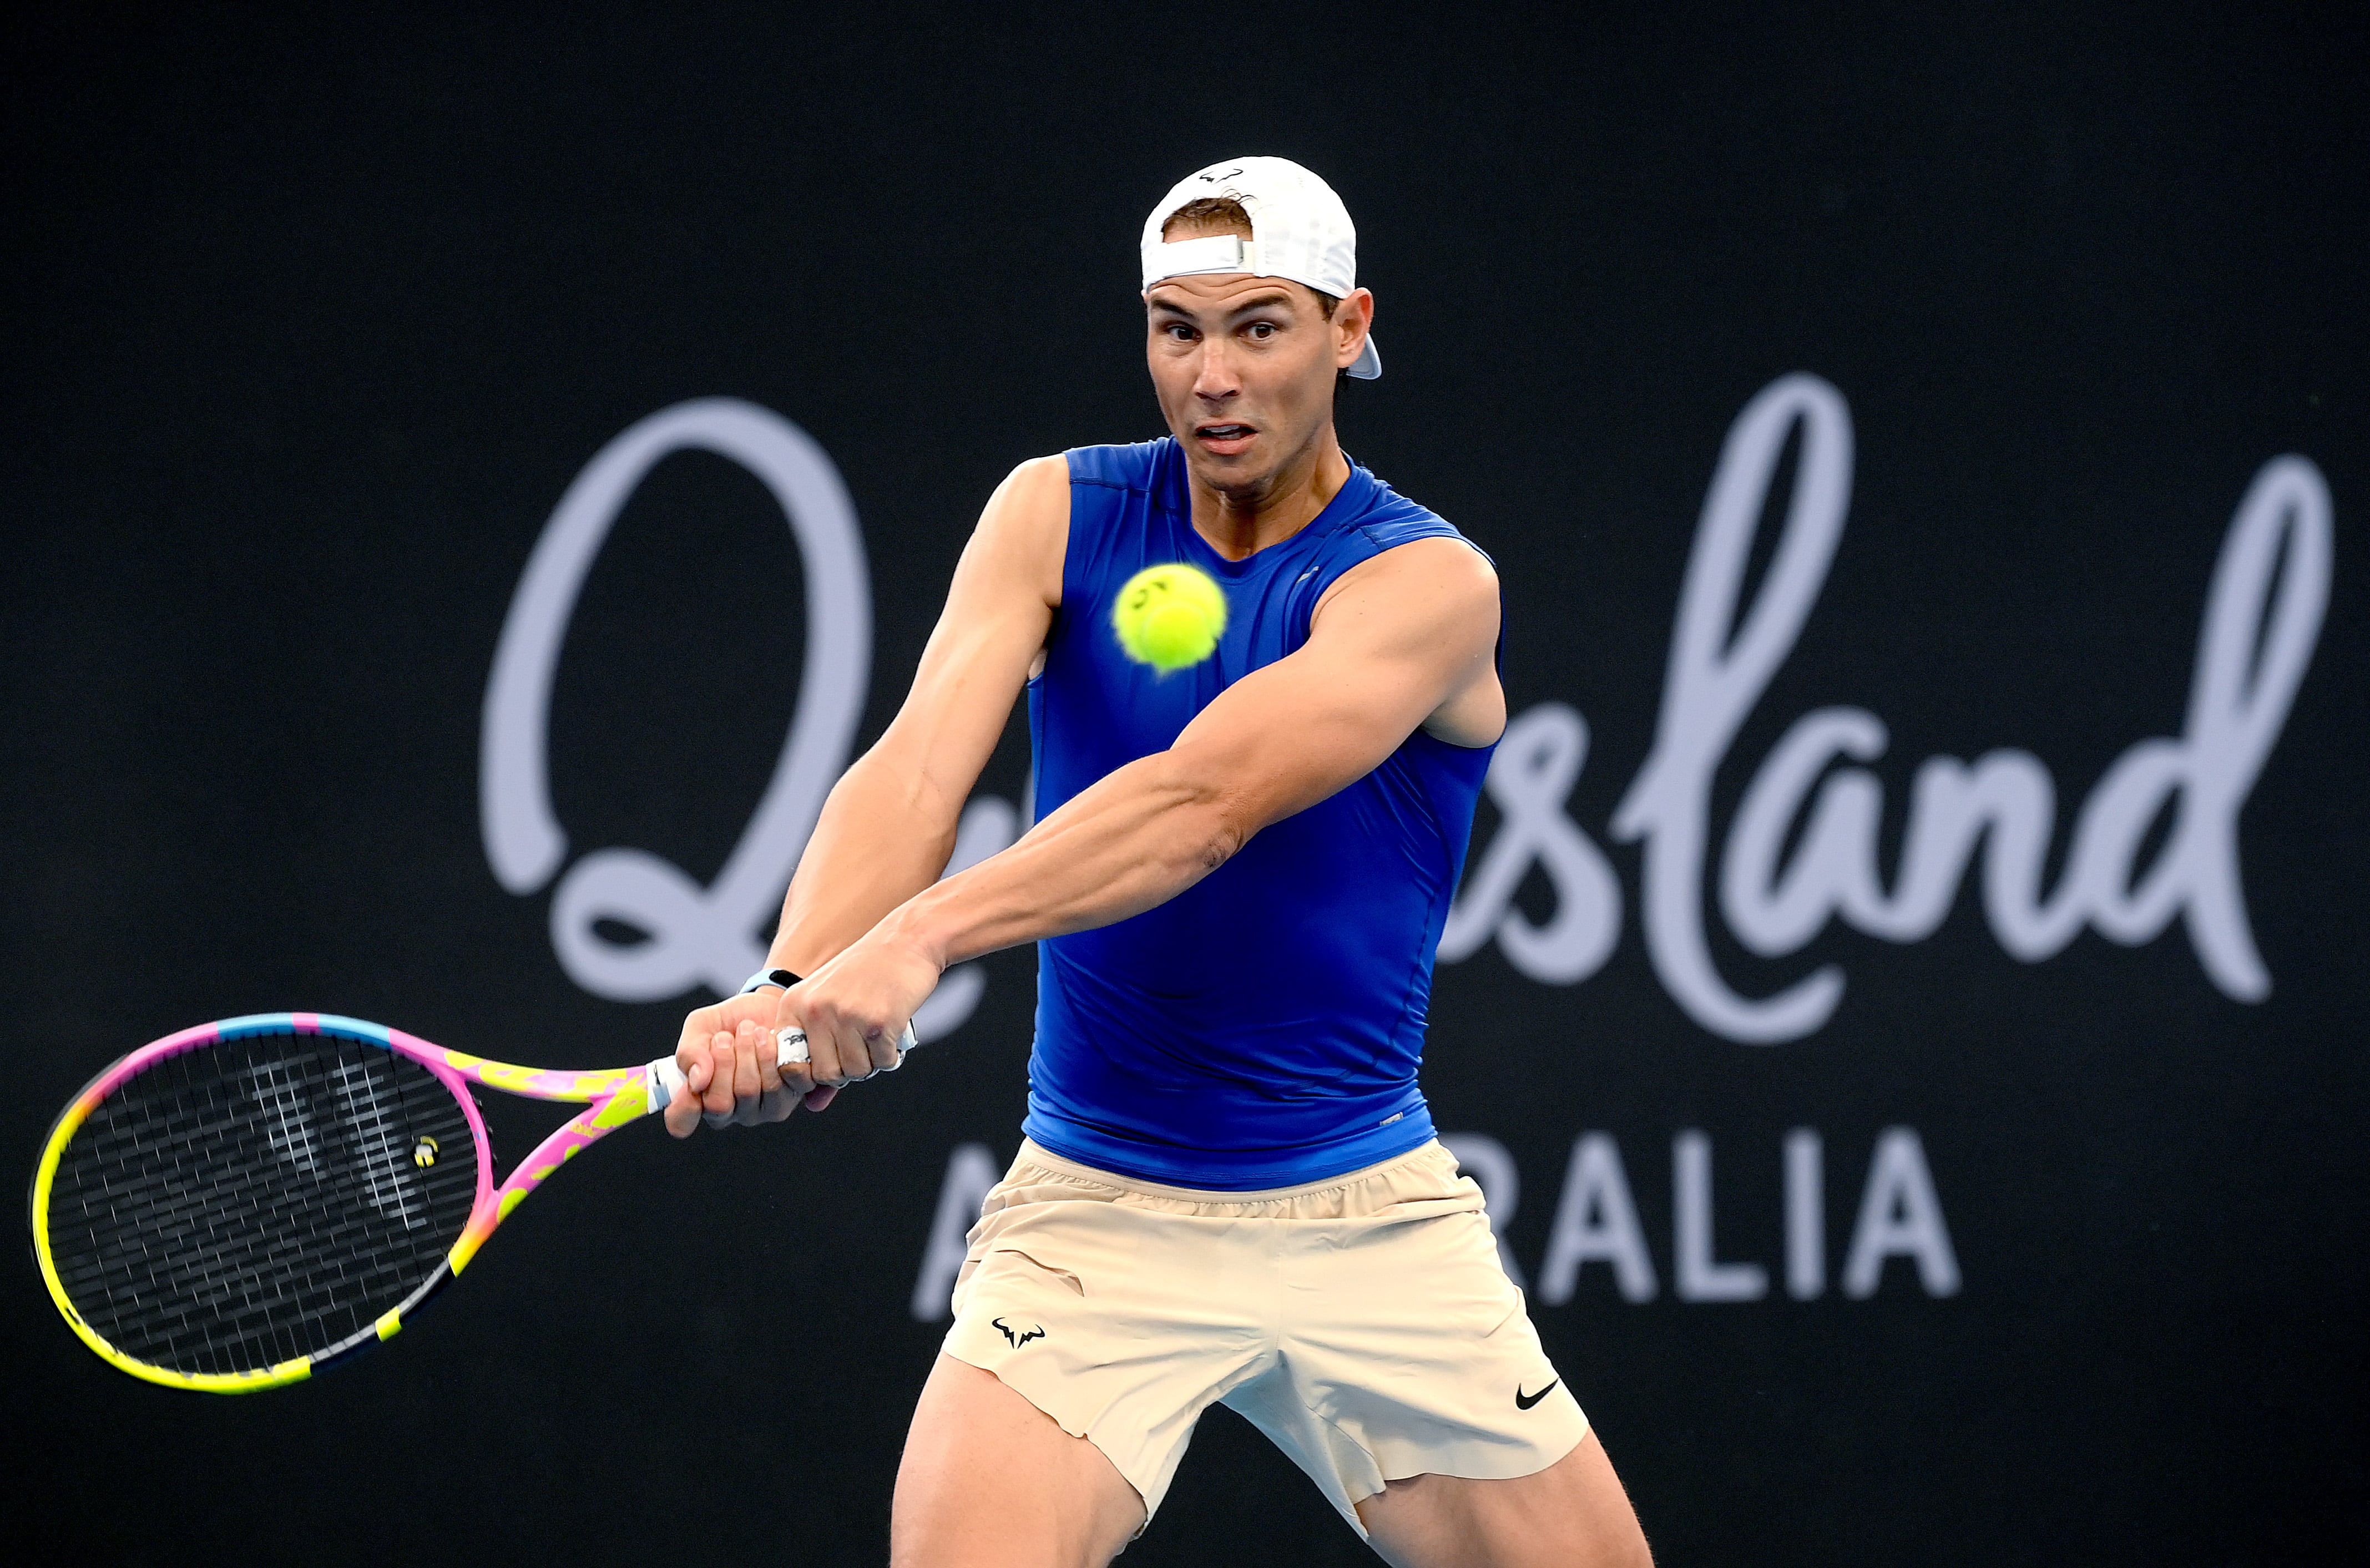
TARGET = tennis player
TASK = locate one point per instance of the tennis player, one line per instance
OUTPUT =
(1230, 1190)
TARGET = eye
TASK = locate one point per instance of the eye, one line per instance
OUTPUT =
(1178, 332)
(1260, 331)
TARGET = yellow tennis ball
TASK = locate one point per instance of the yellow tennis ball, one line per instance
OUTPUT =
(1169, 617)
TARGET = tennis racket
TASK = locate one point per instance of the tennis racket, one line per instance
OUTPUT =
(244, 1204)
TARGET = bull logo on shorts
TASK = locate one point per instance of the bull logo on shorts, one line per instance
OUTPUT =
(1016, 1337)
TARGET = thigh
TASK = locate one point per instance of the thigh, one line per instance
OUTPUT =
(1409, 1353)
(989, 1480)
(1120, 1324)
(1572, 1515)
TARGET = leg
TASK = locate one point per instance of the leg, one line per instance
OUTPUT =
(1572, 1515)
(990, 1481)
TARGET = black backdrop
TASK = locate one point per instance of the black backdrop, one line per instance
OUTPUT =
(312, 320)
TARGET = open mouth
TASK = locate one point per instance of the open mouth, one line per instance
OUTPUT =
(1224, 437)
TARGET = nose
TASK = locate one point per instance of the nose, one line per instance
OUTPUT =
(1215, 380)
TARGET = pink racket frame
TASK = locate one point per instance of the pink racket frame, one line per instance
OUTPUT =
(614, 1096)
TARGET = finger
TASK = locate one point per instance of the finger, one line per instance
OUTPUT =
(875, 1048)
(766, 1051)
(682, 1114)
(747, 1091)
(817, 1100)
(683, 1111)
(691, 1059)
(798, 1076)
(777, 1106)
(747, 1084)
(698, 1025)
(718, 1097)
(823, 1050)
(881, 1047)
(847, 1042)
(748, 1076)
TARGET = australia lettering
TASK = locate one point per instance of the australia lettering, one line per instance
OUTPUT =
(1897, 1231)
(1597, 1220)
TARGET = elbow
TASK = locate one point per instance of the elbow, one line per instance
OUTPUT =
(1223, 823)
(1217, 846)
(1210, 815)
(1210, 819)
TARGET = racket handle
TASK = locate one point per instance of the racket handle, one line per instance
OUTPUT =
(662, 1081)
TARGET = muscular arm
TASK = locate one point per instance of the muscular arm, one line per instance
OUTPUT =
(1401, 641)
(889, 824)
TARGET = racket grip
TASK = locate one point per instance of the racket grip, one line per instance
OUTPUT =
(662, 1081)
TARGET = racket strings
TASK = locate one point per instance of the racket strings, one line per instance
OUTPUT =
(259, 1199)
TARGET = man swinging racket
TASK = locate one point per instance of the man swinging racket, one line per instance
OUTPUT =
(1230, 1190)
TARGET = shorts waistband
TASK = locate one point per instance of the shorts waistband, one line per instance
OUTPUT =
(1037, 1154)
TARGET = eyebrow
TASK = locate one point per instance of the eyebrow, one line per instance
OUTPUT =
(1264, 302)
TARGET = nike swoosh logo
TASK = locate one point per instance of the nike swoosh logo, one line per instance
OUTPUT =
(1525, 1402)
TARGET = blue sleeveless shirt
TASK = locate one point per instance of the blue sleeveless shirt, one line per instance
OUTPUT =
(1263, 1028)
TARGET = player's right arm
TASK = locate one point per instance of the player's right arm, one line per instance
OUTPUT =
(888, 827)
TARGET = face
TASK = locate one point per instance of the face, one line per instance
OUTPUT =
(1243, 368)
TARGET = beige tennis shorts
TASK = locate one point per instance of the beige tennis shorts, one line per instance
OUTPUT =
(1363, 1323)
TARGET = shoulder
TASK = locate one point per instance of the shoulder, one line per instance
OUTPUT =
(1046, 501)
(1442, 575)
(1390, 520)
(1024, 529)
(1035, 494)
(1409, 547)
(1132, 466)
(1413, 569)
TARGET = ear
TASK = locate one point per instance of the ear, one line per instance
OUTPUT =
(1352, 319)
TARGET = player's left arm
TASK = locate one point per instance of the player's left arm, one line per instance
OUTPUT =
(1401, 641)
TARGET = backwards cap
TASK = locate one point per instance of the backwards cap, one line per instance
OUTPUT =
(1299, 230)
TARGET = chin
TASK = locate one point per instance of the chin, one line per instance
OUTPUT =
(1235, 470)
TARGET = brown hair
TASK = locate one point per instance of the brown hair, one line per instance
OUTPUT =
(1215, 215)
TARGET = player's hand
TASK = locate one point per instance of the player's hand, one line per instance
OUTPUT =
(727, 1054)
(855, 1008)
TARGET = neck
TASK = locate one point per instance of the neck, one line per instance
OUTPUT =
(1238, 521)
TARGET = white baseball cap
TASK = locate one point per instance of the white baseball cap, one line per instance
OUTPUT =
(1299, 230)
